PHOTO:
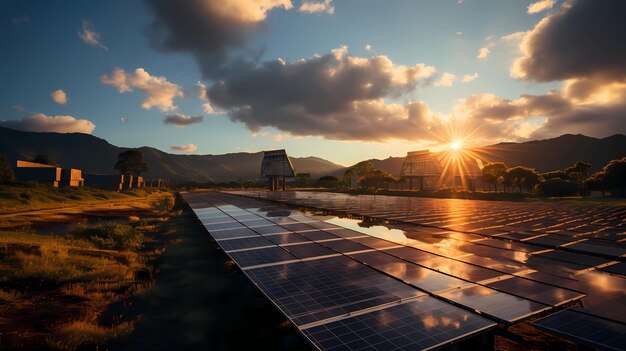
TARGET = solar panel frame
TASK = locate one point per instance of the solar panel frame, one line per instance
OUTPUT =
(263, 256)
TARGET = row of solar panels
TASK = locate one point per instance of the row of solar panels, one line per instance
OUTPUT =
(316, 276)
(599, 332)
(575, 222)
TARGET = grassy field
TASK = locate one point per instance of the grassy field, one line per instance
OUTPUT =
(22, 196)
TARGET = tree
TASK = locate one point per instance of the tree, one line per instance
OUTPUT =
(596, 181)
(491, 173)
(44, 159)
(557, 187)
(554, 175)
(358, 170)
(579, 167)
(615, 175)
(131, 162)
(302, 179)
(6, 171)
(377, 179)
(328, 181)
(522, 176)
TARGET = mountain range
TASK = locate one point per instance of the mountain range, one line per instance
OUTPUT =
(96, 155)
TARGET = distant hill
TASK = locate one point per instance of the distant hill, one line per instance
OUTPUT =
(96, 155)
(544, 155)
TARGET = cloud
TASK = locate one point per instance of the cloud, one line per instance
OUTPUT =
(368, 47)
(317, 7)
(541, 5)
(469, 77)
(184, 148)
(59, 96)
(19, 108)
(181, 120)
(209, 29)
(513, 38)
(483, 53)
(124, 120)
(446, 80)
(158, 91)
(459, 33)
(336, 95)
(90, 36)
(40, 122)
(581, 39)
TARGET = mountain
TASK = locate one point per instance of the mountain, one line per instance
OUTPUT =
(543, 155)
(95, 155)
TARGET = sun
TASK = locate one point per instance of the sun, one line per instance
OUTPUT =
(456, 145)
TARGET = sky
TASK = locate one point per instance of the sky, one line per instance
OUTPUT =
(344, 80)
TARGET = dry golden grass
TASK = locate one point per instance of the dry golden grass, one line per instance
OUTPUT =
(75, 334)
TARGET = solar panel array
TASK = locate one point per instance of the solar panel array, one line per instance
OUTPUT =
(538, 255)
(322, 275)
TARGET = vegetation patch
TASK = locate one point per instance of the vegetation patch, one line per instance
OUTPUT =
(111, 237)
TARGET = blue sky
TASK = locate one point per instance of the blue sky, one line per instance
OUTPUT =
(42, 52)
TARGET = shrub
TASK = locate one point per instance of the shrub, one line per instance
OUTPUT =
(558, 187)
(111, 237)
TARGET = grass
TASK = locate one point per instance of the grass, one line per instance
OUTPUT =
(111, 237)
(77, 334)
(17, 196)
(8, 297)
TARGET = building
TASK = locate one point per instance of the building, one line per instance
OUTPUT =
(422, 169)
(38, 172)
(276, 166)
(71, 177)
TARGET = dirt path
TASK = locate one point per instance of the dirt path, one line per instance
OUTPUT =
(80, 206)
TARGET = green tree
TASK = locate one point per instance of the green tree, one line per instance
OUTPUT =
(302, 179)
(358, 170)
(596, 181)
(554, 175)
(579, 167)
(131, 162)
(491, 173)
(377, 179)
(6, 171)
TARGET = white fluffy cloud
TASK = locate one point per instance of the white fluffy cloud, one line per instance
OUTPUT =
(324, 6)
(158, 91)
(446, 80)
(483, 53)
(40, 122)
(469, 77)
(59, 96)
(541, 5)
(184, 148)
(90, 37)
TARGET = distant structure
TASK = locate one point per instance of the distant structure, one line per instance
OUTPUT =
(423, 167)
(71, 177)
(276, 165)
(38, 172)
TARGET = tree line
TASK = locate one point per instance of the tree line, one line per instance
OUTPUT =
(573, 180)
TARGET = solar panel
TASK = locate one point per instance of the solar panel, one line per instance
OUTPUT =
(619, 268)
(421, 324)
(261, 256)
(309, 250)
(344, 245)
(584, 260)
(232, 233)
(287, 238)
(310, 291)
(586, 329)
(345, 233)
(460, 269)
(544, 293)
(614, 250)
(374, 243)
(297, 226)
(505, 307)
(244, 243)
(549, 240)
(422, 278)
(270, 229)
(318, 235)
(221, 226)
(322, 225)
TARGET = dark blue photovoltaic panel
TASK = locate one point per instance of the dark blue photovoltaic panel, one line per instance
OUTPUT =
(544, 293)
(586, 329)
(507, 308)
(310, 291)
(288, 238)
(583, 260)
(309, 250)
(297, 227)
(270, 229)
(244, 243)
(374, 243)
(417, 325)
(261, 256)
(318, 235)
(344, 245)
(611, 250)
(224, 225)
(232, 233)
(345, 233)
(619, 268)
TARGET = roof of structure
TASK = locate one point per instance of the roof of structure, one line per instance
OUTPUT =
(276, 163)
